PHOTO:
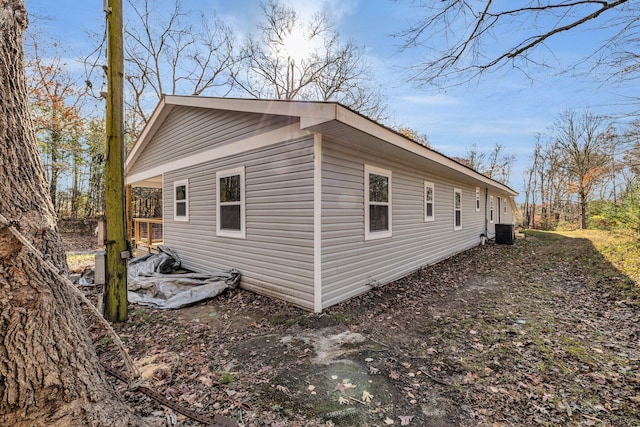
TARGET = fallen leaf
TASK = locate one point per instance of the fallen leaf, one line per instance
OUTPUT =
(366, 396)
(347, 383)
(283, 389)
(478, 346)
(394, 375)
(311, 387)
(469, 378)
(373, 370)
(405, 419)
(388, 421)
(206, 380)
(343, 401)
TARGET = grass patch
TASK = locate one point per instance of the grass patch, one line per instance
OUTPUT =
(226, 378)
(544, 235)
(620, 248)
(284, 319)
(615, 260)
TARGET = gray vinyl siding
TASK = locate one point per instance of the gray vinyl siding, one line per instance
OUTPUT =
(276, 258)
(190, 130)
(349, 263)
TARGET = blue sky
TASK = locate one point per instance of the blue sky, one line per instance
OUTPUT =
(503, 107)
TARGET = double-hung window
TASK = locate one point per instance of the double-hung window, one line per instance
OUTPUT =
(377, 211)
(230, 207)
(429, 213)
(457, 209)
(181, 200)
(477, 199)
(490, 208)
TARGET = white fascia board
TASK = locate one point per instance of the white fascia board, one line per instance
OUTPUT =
(374, 129)
(311, 113)
(155, 121)
(262, 140)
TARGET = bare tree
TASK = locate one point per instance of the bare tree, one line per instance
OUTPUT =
(530, 185)
(476, 40)
(96, 142)
(495, 164)
(49, 372)
(167, 54)
(57, 100)
(292, 58)
(420, 138)
(583, 150)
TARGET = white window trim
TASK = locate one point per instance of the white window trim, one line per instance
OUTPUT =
(371, 235)
(427, 218)
(491, 210)
(238, 234)
(477, 199)
(177, 184)
(457, 227)
(504, 206)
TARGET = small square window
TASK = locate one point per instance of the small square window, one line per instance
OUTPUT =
(230, 208)
(377, 203)
(181, 200)
(429, 191)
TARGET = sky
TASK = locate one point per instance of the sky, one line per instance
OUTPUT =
(504, 107)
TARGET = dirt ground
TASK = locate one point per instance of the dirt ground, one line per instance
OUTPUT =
(545, 332)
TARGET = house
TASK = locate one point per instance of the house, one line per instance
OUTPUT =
(311, 201)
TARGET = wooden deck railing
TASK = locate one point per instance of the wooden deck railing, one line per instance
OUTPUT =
(147, 232)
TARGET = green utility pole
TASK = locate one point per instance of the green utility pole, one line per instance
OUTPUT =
(115, 292)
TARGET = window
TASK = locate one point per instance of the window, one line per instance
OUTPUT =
(377, 211)
(457, 209)
(477, 199)
(504, 208)
(181, 200)
(230, 212)
(428, 201)
(490, 208)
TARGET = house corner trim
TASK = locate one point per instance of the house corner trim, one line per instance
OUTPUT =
(317, 222)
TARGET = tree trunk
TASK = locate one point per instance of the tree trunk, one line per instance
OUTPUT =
(583, 210)
(49, 372)
(55, 169)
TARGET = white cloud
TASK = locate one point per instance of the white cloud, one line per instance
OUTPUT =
(335, 9)
(516, 126)
(439, 99)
